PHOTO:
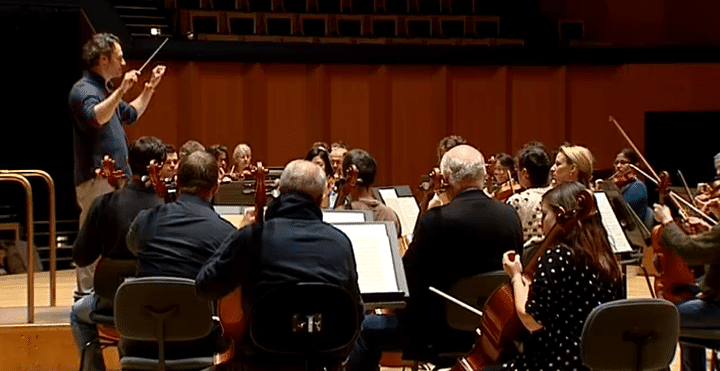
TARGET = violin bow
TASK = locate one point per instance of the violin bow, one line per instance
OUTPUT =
(627, 138)
(687, 189)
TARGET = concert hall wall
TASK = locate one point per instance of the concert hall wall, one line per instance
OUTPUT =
(399, 112)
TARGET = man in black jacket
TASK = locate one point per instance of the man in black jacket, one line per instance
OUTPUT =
(466, 237)
(292, 245)
(103, 234)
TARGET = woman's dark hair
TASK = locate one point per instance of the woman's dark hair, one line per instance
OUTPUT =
(588, 236)
(447, 144)
(506, 160)
(631, 155)
(534, 158)
(324, 155)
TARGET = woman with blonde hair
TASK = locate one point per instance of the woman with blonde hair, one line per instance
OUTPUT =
(572, 164)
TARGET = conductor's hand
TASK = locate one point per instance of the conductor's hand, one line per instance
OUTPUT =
(662, 214)
(129, 80)
(512, 264)
(157, 74)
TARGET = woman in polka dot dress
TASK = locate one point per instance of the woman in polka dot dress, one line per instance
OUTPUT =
(571, 279)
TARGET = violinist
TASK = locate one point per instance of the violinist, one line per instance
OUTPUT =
(189, 147)
(292, 245)
(533, 171)
(572, 164)
(360, 195)
(574, 276)
(221, 154)
(337, 153)
(461, 239)
(503, 170)
(320, 157)
(103, 234)
(703, 248)
(633, 189)
(439, 197)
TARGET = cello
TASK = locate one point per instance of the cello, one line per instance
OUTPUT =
(161, 187)
(500, 325)
(230, 307)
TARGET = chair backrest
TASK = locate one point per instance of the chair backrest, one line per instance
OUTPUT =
(161, 309)
(109, 274)
(473, 290)
(306, 319)
(631, 334)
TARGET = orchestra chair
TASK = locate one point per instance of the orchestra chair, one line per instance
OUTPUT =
(631, 334)
(109, 274)
(162, 309)
(313, 325)
(473, 290)
(704, 337)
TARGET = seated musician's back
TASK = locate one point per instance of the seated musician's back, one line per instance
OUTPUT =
(177, 238)
(454, 241)
(292, 245)
(103, 234)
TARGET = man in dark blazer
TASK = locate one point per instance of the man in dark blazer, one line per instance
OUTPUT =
(463, 238)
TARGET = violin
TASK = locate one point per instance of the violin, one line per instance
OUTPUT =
(162, 188)
(108, 172)
(500, 325)
(508, 189)
(674, 279)
(344, 185)
(230, 307)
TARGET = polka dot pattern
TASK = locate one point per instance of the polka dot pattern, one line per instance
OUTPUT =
(564, 291)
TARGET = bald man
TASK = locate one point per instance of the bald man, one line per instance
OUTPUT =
(461, 239)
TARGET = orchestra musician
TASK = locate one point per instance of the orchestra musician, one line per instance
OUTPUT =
(220, 152)
(361, 198)
(320, 157)
(572, 164)
(189, 147)
(461, 239)
(169, 168)
(103, 234)
(242, 155)
(577, 274)
(337, 152)
(502, 172)
(633, 189)
(533, 162)
(704, 190)
(702, 248)
(444, 145)
(99, 114)
(176, 239)
(292, 245)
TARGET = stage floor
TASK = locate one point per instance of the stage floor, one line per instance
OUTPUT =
(47, 344)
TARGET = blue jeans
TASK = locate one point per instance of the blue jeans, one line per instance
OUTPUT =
(378, 334)
(85, 331)
(697, 313)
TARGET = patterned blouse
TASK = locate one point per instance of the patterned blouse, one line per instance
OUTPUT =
(527, 205)
(563, 292)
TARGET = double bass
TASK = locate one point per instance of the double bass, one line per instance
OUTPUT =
(500, 325)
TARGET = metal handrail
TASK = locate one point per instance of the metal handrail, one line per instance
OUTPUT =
(52, 228)
(9, 176)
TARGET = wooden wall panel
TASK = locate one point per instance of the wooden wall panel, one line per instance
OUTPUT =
(538, 105)
(480, 107)
(399, 112)
(288, 131)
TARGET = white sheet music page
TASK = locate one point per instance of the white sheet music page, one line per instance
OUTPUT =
(406, 208)
(615, 234)
(333, 217)
(376, 271)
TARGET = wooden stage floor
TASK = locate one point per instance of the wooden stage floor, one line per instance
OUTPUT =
(48, 345)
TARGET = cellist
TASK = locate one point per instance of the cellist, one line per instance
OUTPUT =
(703, 248)
(572, 277)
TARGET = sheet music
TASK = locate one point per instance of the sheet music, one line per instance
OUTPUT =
(406, 208)
(371, 246)
(333, 217)
(615, 233)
